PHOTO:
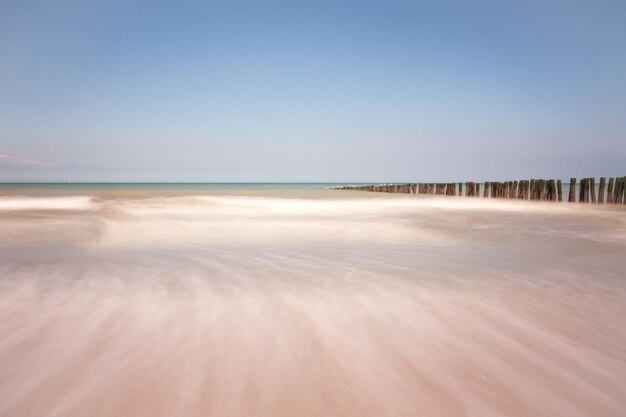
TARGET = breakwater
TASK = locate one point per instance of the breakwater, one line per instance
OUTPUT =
(612, 191)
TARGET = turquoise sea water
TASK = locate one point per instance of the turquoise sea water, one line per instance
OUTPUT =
(165, 186)
(158, 188)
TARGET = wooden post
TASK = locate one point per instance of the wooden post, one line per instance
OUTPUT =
(525, 190)
(592, 189)
(601, 190)
(486, 190)
(581, 190)
(537, 189)
(549, 190)
(572, 190)
(583, 193)
(609, 191)
(559, 188)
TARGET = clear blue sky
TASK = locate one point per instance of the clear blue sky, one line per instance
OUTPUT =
(311, 91)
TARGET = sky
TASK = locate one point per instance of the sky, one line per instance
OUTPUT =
(315, 91)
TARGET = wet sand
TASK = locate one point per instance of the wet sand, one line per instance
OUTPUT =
(309, 303)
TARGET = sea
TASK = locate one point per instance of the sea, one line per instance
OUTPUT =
(299, 300)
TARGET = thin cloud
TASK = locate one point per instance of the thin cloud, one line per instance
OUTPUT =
(55, 103)
(17, 161)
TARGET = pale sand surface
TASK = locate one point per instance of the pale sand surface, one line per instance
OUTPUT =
(309, 303)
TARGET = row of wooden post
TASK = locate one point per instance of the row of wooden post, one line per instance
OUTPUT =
(534, 189)
(615, 192)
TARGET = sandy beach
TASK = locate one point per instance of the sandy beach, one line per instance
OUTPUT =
(309, 303)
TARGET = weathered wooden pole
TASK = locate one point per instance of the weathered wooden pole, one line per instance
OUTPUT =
(609, 191)
(572, 190)
(583, 193)
(592, 189)
(601, 190)
(620, 187)
(581, 190)
(559, 188)
(525, 190)
(537, 191)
